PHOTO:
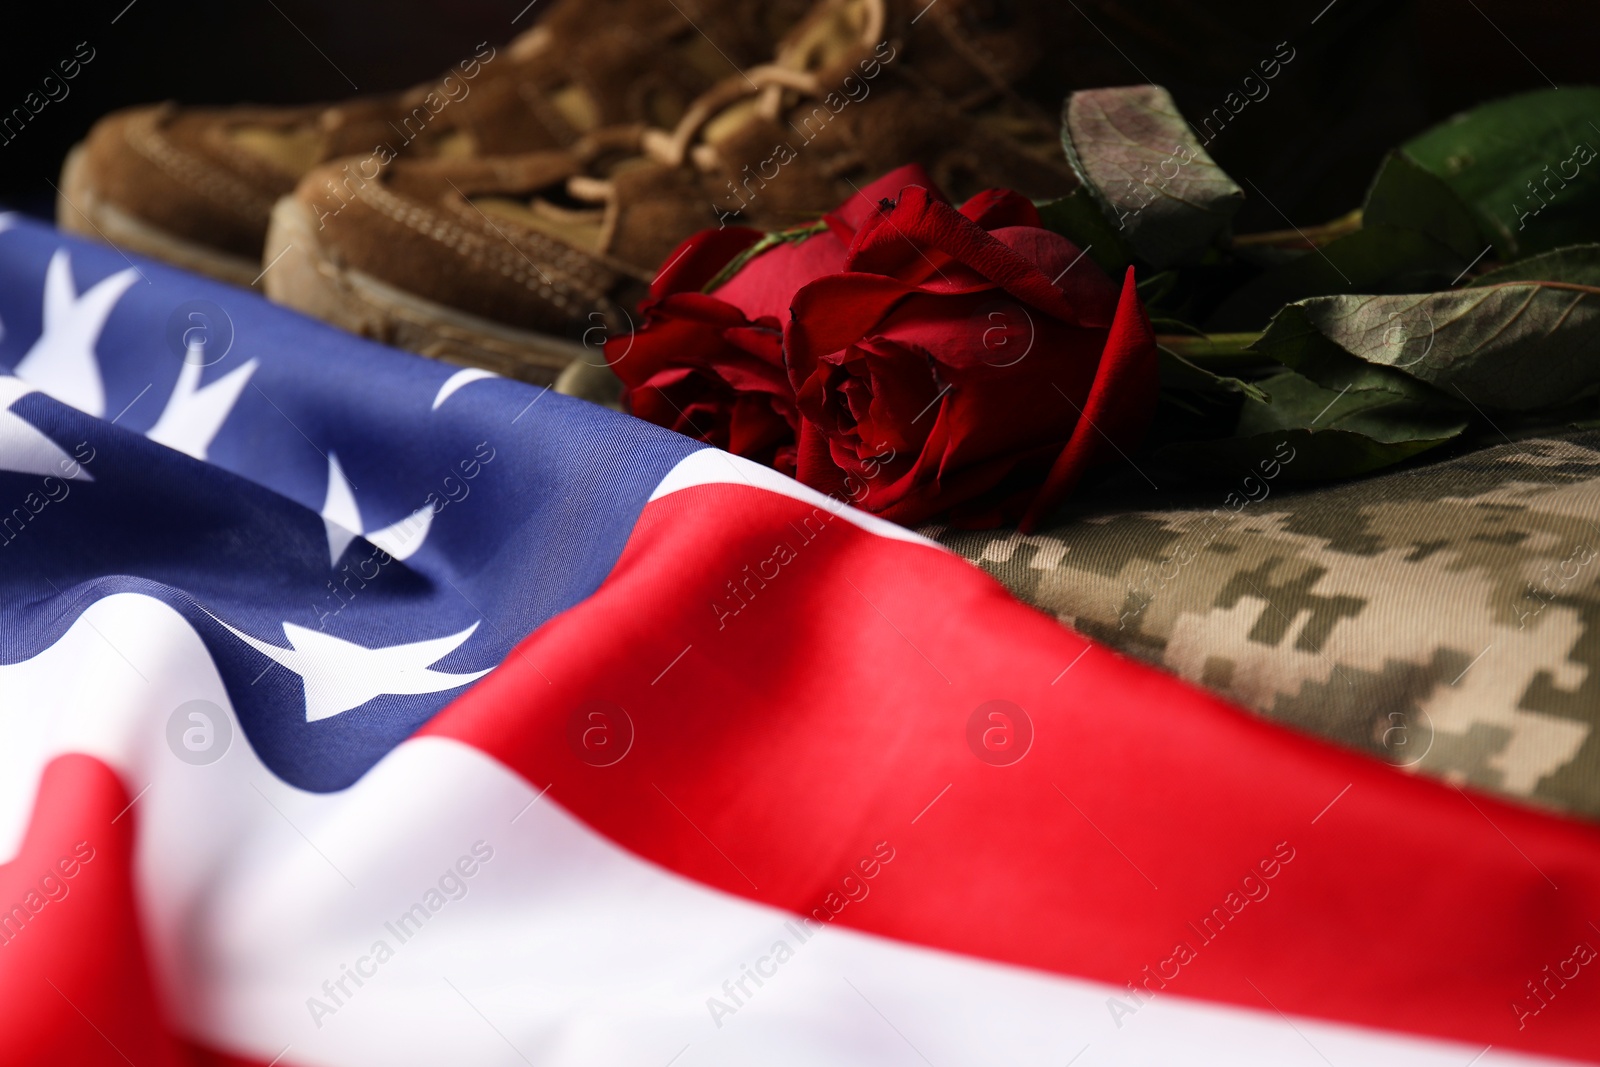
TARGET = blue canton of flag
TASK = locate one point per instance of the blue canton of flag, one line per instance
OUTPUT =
(371, 532)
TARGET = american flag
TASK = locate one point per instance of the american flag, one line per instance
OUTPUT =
(360, 709)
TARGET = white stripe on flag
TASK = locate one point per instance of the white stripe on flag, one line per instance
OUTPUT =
(560, 948)
(712, 466)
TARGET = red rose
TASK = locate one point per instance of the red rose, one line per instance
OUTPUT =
(711, 367)
(698, 366)
(965, 361)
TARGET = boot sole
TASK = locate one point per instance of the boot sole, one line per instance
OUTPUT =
(309, 280)
(81, 210)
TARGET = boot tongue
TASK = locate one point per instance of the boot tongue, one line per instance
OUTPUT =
(579, 227)
(292, 149)
(532, 191)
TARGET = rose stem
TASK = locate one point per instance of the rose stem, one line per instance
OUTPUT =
(1217, 351)
(1310, 237)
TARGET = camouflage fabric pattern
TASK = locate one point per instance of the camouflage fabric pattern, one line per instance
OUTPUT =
(1444, 617)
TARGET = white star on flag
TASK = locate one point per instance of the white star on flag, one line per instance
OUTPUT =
(341, 675)
(62, 361)
(194, 415)
(23, 449)
(459, 379)
(342, 518)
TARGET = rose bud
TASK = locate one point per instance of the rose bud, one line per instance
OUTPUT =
(967, 362)
(711, 366)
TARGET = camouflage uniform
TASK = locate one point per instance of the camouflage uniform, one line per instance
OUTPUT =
(1444, 617)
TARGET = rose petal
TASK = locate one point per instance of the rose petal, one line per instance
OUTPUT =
(1002, 395)
(764, 286)
(924, 494)
(1119, 408)
(754, 428)
(830, 313)
(902, 390)
(699, 368)
(814, 465)
(764, 339)
(1079, 278)
(696, 261)
(920, 226)
(673, 325)
(849, 215)
(994, 208)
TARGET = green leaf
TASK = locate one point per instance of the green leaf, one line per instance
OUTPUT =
(1382, 259)
(1579, 264)
(1295, 340)
(1306, 433)
(1406, 195)
(1516, 345)
(1143, 165)
(1297, 403)
(1078, 218)
(1491, 154)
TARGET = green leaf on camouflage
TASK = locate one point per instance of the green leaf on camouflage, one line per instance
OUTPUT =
(1295, 341)
(1307, 433)
(1407, 195)
(1519, 345)
(1528, 166)
(1297, 403)
(1579, 264)
(1079, 219)
(1381, 259)
(1143, 165)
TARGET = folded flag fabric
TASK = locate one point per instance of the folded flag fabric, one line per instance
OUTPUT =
(1445, 618)
(356, 709)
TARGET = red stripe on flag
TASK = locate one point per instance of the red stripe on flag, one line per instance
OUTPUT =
(201, 1056)
(75, 985)
(785, 740)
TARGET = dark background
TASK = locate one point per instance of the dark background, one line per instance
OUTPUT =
(1367, 73)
